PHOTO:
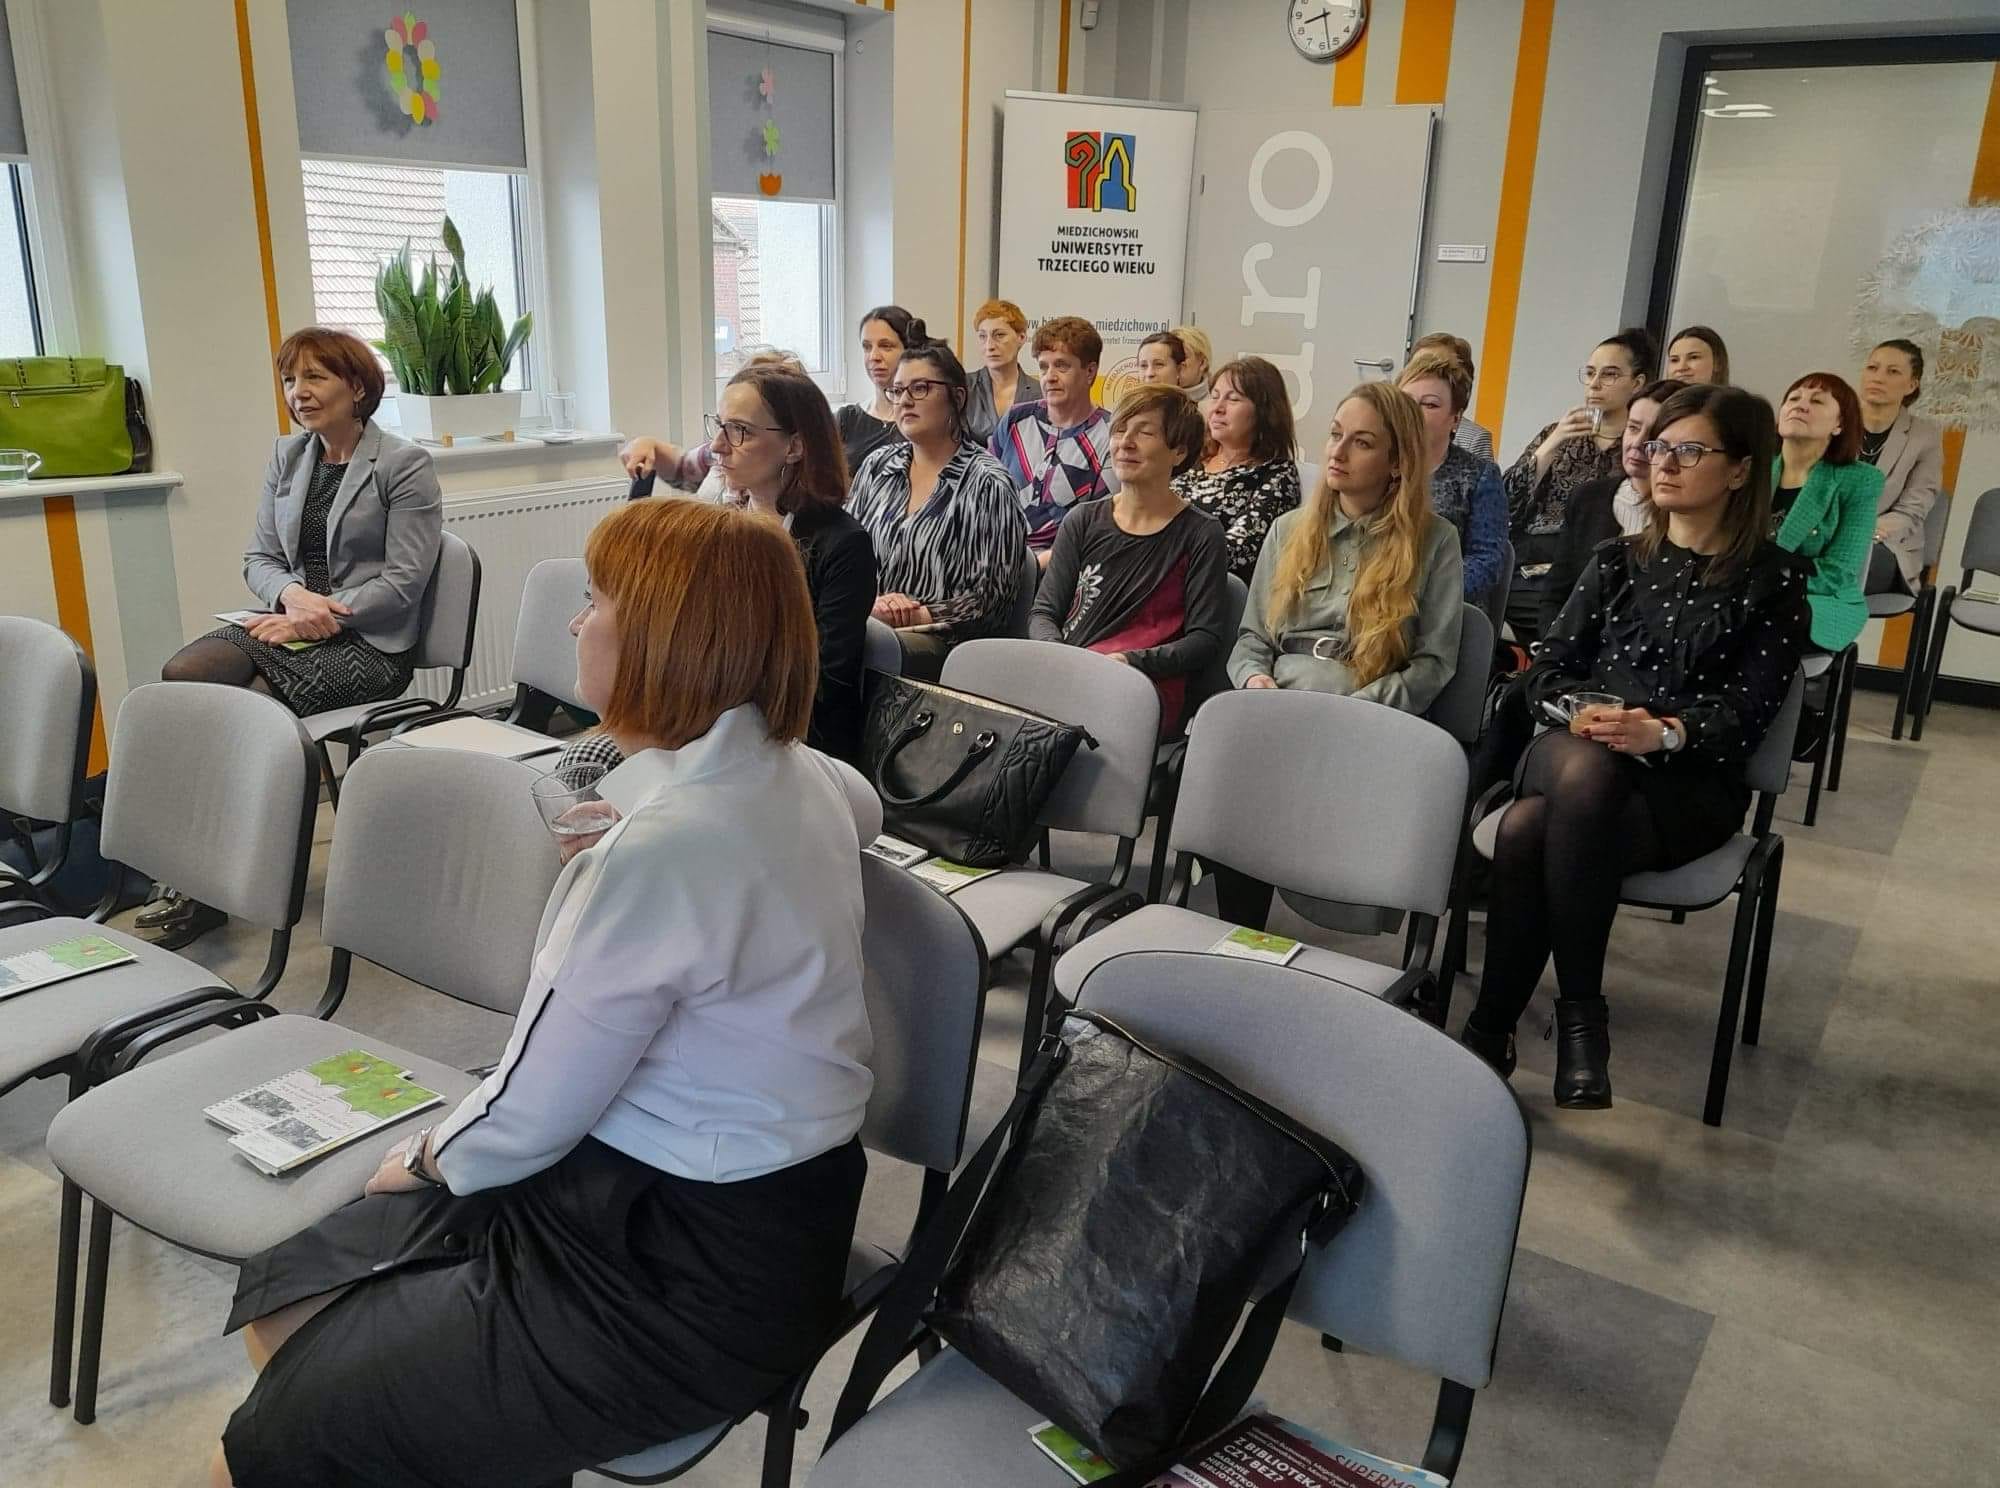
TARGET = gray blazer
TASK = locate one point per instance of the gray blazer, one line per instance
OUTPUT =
(382, 535)
(1912, 466)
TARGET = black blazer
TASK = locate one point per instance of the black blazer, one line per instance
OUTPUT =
(840, 573)
(1588, 521)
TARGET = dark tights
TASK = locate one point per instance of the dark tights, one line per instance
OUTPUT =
(1578, 825)
(212, 659)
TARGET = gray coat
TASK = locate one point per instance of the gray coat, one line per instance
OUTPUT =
(382, 535)
(1912, 466)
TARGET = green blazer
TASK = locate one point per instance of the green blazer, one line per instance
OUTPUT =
(1833, 524)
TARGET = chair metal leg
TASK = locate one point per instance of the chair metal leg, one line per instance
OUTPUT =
(1927, 684)
(1760, 951)
(1448, 1429)
(62, 1342)
(97, 1266)
(326, 772)
(1837, 740)
(781, 1436)
(1732, 991)
(1818, 776)
(1913, 663)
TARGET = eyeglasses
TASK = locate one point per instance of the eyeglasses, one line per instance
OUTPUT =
(1687, 456)
(916, 391)
(1591, 376)
(734, 432)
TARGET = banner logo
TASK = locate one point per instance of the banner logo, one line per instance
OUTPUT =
(1100, 171)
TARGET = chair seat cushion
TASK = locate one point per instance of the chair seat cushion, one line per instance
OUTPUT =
(1977, 614)
(863, 1262)
(39, 1028)
(486, 735)
(140, 1143)
(1882, 606)
(1008, 907)
(948, 1423)
(1165, 927)
(1707, 880)
(323, 726)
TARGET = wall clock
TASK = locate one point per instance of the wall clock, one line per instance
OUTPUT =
(1325, 29)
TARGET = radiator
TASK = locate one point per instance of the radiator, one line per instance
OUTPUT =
(511, 531)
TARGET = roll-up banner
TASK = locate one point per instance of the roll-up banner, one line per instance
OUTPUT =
(1093, 217)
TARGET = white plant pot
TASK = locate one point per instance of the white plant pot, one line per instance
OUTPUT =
(441, 420)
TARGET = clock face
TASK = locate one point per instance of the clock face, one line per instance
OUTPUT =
(1325, 29)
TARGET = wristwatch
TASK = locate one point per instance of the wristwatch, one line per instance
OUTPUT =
(1671, 738)
(413, 1159)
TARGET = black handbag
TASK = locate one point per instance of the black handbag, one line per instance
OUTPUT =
(963, 776)
(1142, 1203)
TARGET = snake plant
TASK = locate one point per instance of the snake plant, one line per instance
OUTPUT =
(439, 336)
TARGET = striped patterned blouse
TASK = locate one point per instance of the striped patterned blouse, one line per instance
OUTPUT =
(960, 554)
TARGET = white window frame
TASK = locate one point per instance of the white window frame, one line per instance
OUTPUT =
(833, 276)
(531, 254)
(42, 201)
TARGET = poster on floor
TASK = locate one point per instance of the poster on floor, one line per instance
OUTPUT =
(1093, 217)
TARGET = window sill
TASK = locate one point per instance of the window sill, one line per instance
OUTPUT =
(89, 485)
(522, 447)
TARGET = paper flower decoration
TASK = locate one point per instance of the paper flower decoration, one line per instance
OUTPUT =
(767, 84)
(412, 68)
(770, 136)
(1939, 286)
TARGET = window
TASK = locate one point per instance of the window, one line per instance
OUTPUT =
(775, 221)
(359, 214)
(20, 315)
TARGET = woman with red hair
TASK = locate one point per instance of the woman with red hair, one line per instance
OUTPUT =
(1824, 506)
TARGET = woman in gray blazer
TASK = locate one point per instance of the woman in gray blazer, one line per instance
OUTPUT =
(1909, 451)
(345, 543)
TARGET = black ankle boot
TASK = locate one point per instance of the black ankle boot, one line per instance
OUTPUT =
(1497, 1049)
(1583, 1054)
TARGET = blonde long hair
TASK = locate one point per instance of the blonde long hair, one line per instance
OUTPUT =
(1385, 588)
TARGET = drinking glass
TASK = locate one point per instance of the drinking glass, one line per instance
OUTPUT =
(18, 464)
(569, 802)
(562, 414)
(1585, 706)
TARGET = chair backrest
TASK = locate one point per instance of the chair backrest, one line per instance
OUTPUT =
(926, 979)
(1335, 797)
(1496, 599)
(440, 870)
(1215, 676)
(1458, 709)
(214, 790)
(48, 696)
(1420, 1272)
(451, 607)
(1982, 534)
(1936, 520)
(880, 650)
(1769, 768)
(544, 650)
(1103, 789)
(1030, 580)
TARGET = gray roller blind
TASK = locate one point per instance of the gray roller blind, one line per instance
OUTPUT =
(349, 110)
(13, 137)
(802, 106)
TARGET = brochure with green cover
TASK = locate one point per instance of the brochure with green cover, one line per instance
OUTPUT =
(309, 1112)
(1257, 945)
(948, 877)
(58, 962)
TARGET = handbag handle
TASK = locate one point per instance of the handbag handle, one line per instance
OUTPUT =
(919, 725)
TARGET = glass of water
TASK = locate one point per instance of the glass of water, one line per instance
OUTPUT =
(569, 802)
(562, 414)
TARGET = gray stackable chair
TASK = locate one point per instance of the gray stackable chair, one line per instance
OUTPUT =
(233, 827)
(1419, 1275)
(1336, 798)
(1458, 710)
(880, 650)
(1749, 866)
(439, 872)
(926, 983)
(1981, 554)
(444, 639)
(1172, 753)
(1922, 608)
(544, 674)
(1103, 790)
(48, 697)
(1023, 612)
(1496, 602)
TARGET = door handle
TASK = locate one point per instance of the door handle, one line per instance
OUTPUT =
(1363, 366)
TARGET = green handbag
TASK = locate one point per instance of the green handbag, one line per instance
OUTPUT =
(68, 410)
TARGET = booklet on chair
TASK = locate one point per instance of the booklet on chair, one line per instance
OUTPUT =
(297, 1117)
(948, 877)
(1257, 945)
(896, 850)
(242, 618)
(58, 962)
(1259, 1449)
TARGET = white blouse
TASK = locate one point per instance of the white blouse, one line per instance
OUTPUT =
(696, 1000)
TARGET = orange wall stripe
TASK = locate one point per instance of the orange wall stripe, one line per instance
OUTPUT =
(1895, 644)
(1423, 66)
(1517, 191)
(1350, 73)
(964, 148)
(72, 600)
(1062, 50)
(260, 200)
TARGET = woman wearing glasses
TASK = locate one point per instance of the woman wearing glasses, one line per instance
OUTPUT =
(1695, 625)
(948, 531)
(1580, 447)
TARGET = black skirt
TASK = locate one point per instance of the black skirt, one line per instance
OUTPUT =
(527, 1333)
(341, 672)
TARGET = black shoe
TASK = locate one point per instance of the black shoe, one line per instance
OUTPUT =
(1583, 1054)
(199, 920)
(1497, 1049)
(170, 906)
